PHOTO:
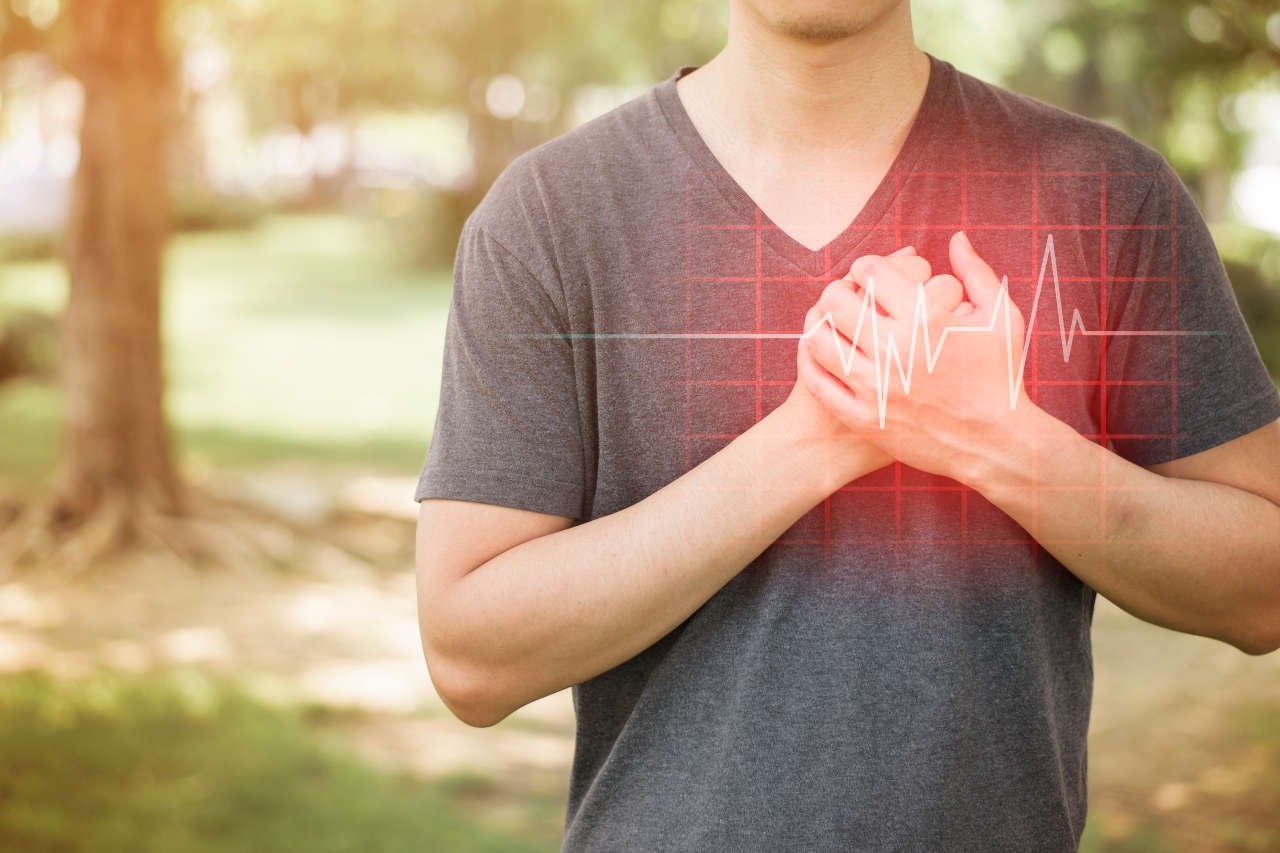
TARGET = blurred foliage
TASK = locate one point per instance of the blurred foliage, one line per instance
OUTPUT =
(1176, 76)
(1260, 304)
(1170, 74)
(201, 209)
(305, 61)
(426, 235)
(28, 344)
(194, 208)
(181, 762)
(29, 246)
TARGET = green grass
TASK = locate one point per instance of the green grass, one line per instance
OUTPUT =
(1145, 838)
(302, 339)
(182, 763)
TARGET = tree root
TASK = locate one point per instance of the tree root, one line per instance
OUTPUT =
(216, 532)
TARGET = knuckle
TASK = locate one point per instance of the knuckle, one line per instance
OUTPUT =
(836, 301)
(824, 300)
(914, 268)
(863, 264)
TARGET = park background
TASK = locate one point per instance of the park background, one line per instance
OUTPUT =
(226, 233)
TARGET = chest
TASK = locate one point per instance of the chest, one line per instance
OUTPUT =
(811, 206)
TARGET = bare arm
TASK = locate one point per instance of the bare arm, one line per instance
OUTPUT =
(550, 605)
(1192, 545)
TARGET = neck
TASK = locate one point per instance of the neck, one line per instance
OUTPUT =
(798, 99)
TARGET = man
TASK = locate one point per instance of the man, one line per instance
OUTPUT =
(801, 606)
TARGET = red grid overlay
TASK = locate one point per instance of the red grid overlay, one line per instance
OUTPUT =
(1044, 375)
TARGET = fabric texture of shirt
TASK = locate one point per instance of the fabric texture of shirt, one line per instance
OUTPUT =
(904, 668)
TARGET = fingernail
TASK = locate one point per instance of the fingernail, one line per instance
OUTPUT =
(965, 238)
(905, 250)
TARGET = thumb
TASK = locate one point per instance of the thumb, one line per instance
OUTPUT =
(981, 283)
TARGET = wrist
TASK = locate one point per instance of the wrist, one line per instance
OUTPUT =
(824, 451)
(1005, 459)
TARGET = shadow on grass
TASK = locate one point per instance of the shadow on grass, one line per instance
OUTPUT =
(222, 446)
(182, 763)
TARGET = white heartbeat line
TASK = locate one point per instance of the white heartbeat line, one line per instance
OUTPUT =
(884, 364)
(920, 321)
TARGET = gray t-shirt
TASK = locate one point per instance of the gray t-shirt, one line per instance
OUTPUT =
(905, 668)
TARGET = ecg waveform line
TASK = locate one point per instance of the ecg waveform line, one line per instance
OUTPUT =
(920, 321)
(1003, 307)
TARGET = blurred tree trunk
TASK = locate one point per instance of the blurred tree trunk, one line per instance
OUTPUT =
(116, 445)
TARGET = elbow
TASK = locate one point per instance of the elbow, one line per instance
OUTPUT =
(1263, 636)
(466, 689)
(469, 694)
(1258, 645)
(1257, 648)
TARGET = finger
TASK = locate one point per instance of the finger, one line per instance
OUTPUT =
(964, 309)
(850, 313)
(828, 390)
(914, 267)
(981, 284)
(839, 357)
(856, 318)
(944, 291)
(911, 265)
(894, 292)
(815, 323)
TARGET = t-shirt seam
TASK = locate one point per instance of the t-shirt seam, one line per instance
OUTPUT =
(671, 125)
(562, 308)
(458, 469)
(552, 256)
(1198, 429)
(1157, 179)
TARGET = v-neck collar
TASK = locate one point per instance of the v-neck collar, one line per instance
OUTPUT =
(929, 118)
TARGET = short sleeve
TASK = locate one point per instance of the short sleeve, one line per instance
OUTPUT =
(507, 427)
(1182, 373)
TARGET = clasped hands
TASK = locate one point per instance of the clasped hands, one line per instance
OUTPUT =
(926, 368)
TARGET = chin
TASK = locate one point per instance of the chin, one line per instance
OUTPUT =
(820, 20)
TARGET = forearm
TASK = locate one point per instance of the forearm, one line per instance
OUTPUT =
(567, 606)
(1191, 555)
